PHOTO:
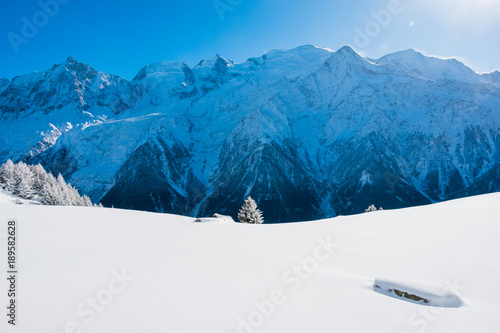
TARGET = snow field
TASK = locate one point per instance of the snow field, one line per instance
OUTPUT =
(231, 277)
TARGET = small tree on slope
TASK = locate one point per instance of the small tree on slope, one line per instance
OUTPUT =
(371, 208)
(249, 212)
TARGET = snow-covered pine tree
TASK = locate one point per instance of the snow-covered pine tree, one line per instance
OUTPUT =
(50, 194)
(25, 188)
(65, 196)
(86, 202)
(47, 195)
(7, 175)
(249, 212)
(75, 196)
(6, 171)
(23, 181)
(372, 208)
(39, 177)
(32, 181)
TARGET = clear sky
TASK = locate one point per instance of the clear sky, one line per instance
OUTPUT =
(121, 36)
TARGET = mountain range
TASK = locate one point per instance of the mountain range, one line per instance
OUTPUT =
(309, 133)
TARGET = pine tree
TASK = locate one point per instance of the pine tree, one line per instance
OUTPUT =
(48, 195)
(51, 195)
(25, 188)
(23, 181)
(64, 195)
(39, 177)
(6, 171)
(86, 201)
(7, 175)
(249, 212)
(29, 181)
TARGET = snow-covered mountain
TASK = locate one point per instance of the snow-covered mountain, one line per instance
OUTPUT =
(307, 132)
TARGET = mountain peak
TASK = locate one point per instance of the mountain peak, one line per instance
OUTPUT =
(427, 67)
(160, 69)
(410, 52)
(492, 77)
(345, 55)
(405, 56)
(308, 48)
(221, 65)
(348, 50)
(214, 63)
(72, 65)
(345, 60)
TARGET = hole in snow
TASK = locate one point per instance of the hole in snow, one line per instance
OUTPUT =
(420, 292)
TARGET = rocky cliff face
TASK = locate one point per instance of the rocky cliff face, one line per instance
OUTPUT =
(308, 132)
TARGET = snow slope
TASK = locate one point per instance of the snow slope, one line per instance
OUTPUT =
(149, 272)
(9, 198)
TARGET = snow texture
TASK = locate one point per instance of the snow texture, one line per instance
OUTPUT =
(214, 277)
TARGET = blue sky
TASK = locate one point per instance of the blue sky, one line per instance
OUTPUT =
(120, 37)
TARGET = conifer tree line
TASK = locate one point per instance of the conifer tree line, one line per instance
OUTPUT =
(33, 182)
